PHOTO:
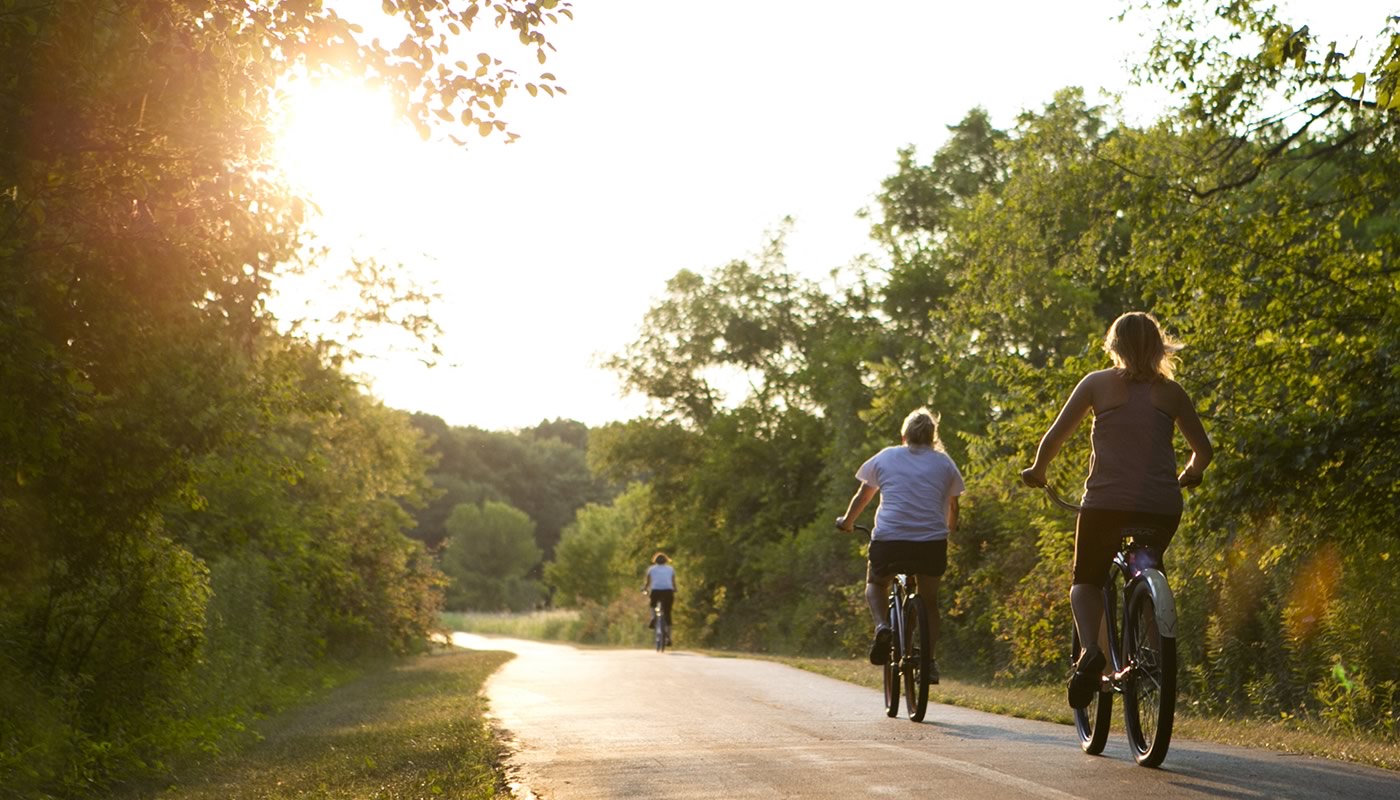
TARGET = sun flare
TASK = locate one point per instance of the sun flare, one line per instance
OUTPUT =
(341, 145)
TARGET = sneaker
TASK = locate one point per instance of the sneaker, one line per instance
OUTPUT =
(1085, 679)
(932, 671)
(880, 648)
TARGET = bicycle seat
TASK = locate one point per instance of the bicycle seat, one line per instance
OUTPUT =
(1140, 553)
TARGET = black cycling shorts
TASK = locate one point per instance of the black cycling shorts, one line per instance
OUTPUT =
(888, 559)
(1098, 533)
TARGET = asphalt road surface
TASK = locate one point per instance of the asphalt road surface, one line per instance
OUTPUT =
(600, 723)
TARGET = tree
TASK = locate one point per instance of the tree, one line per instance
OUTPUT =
(542, 471)
(596, 559)
(491, 550)
(152, 419)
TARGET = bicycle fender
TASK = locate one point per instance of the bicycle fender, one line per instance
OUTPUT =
(1162, 601)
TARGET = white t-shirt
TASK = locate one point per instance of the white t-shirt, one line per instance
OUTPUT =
(663, 576)
(916, 484)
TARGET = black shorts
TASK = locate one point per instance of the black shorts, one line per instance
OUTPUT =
(888, 559)
(1098, 533)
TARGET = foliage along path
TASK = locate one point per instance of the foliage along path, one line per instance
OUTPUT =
(632, 723)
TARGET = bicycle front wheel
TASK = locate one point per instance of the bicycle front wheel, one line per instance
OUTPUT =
(918, 652)
(1091, 722)
(1149, 693)
(892, 663)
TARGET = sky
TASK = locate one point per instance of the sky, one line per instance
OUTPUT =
(688, 131)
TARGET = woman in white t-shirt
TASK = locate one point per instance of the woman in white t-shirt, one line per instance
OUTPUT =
(661, 584)
(919, 487)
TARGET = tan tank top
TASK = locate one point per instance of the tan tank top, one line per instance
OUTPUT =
(1133, 465)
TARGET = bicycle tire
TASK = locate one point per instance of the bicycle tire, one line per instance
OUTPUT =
(1092, 721)
(660, 628)
(892, 663)
(918, 652)
(1149, 692)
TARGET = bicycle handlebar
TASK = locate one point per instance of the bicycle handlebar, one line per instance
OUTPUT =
(1059, 501)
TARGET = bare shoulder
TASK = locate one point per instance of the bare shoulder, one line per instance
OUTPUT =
(1168, 395)
(1104, 387)
(1098, 380)
(1111, 375)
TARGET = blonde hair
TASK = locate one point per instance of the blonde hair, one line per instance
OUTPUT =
(921, 428)
(1140, 348)
(659, 558)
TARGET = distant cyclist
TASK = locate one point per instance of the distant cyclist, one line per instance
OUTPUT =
(1133, 481)
(661, 587)
(919, 487)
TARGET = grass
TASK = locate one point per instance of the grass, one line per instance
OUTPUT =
(558, 625)
(412, 730)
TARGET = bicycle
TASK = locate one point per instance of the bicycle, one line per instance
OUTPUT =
(910, 656)
(661, 626)
(1140, 649)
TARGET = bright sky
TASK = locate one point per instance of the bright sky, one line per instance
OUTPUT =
(688, 131)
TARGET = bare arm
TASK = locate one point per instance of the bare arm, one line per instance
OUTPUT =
(859, 501)
(1189, 423)
(953, 514)
(1076, 408)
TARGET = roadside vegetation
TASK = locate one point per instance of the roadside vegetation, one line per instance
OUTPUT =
(410, 729)
(202, 513)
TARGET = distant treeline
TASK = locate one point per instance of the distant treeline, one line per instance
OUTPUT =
(499, 503)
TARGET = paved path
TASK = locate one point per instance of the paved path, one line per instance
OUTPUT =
(634, 724)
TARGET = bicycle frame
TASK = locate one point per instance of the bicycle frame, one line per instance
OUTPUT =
(910, 656)
(1163, 602)
(1142, 564)
(1142, 660)
(900, 588)
(662, 629)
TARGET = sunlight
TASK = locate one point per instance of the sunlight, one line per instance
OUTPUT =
(369, 177)
(339, 143)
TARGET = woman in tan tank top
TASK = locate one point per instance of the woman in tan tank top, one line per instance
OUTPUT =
(1132, 481)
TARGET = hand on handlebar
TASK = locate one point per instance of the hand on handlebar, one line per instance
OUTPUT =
(1034, 478)
(1188, 479)
(843, 525)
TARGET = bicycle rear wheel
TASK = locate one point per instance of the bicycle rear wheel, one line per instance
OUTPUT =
(1091, 722)
(892, 663)
(660, 630)
(1149, 693)
(917, 654)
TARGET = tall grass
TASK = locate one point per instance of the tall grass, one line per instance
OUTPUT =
(558, 625)
(621, 622)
